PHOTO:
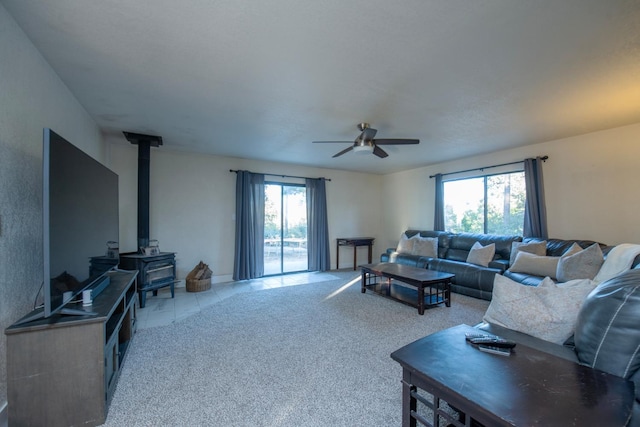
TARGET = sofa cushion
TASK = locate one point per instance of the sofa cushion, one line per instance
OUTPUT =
(607, 336)
(548, 311)
(536, 265)
(559, 247)
(469, 279)
(524, 278)
(481, 255)
(425, 246)
(536, 248)
(581, 265)
(461, 243)
(406, 259)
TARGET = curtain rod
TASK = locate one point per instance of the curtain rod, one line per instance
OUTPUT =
(286, 176)
(543, 158)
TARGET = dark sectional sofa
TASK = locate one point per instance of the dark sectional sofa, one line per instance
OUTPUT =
(606, 336)
(453, 250)
(474, 280)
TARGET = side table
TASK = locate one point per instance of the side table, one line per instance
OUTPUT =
(355, 242)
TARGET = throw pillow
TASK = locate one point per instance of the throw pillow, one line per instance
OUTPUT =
(544, 266)
(548, 311)
(582, 265)
(536, 248)
(481, 255)
(574, 249)
(405, 245)
(425, 246)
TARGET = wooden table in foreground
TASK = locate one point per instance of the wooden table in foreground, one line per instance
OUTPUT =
(527, 388)
(437, 283)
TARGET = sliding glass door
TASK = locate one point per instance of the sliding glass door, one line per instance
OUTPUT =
(285, 228)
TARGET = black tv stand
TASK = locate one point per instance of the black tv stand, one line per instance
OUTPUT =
(53, 363)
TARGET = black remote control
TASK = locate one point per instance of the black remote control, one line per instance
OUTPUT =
(501, 351)
(470, 336)
(493, 342)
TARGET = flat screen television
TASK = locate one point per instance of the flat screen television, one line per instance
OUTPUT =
(80, 216)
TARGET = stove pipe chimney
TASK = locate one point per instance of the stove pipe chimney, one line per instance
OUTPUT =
(144, 143)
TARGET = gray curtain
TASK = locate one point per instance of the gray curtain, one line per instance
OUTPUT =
(438, 217)
(249, 252)
(535, 211)
(317, 225)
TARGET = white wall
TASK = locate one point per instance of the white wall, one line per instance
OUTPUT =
(590, 183)
(193, 205)
(31, 97)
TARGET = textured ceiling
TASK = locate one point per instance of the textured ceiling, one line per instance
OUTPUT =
(261, 80)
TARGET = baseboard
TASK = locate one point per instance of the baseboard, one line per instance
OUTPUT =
(214, 279)
(4, 415)
(222, 279)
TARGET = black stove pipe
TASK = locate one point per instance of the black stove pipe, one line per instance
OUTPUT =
(144, 169)
(144, 143)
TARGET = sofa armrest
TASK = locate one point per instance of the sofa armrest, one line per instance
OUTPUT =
(402, 258)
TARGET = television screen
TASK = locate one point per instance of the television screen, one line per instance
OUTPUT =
(80, 212)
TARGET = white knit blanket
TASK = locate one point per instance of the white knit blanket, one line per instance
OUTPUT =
(618, 261)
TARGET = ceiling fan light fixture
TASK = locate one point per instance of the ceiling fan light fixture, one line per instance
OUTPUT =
(363, 149)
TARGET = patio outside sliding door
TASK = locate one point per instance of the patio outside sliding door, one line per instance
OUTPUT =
(285, 228)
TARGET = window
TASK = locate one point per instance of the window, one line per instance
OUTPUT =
(285, 228)
(491, 204)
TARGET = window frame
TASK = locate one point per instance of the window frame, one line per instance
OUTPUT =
(514, 168)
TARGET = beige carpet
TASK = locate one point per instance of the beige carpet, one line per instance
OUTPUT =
(307, 355)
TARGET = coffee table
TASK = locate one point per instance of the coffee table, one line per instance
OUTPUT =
(438, 284)
(527, 388)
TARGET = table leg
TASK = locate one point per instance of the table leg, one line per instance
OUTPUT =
(421, 299)
(354, 257)
(337, 256)
(447, 293)
(363, 287)
(409, 404)
(370, 252)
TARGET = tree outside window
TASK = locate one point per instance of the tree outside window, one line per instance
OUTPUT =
(491, 204)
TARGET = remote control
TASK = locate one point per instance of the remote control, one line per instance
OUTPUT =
(494, 342)
(470, 336)
(495, 350)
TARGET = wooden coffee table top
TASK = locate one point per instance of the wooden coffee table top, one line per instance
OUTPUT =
(528, 388)
(401, 271)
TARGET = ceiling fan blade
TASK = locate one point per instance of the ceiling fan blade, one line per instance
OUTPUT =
(396, 141)
(368, 134)
(379, 152)
(346, 150)
(332, 142)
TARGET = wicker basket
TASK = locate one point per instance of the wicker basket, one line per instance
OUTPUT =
(198, 285)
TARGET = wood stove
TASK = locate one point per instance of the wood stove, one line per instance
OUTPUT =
(154, 272)
(158, 270)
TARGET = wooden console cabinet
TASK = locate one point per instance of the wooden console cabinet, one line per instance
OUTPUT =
(62, 371)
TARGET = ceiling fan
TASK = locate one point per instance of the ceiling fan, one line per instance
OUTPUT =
(365, 143)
